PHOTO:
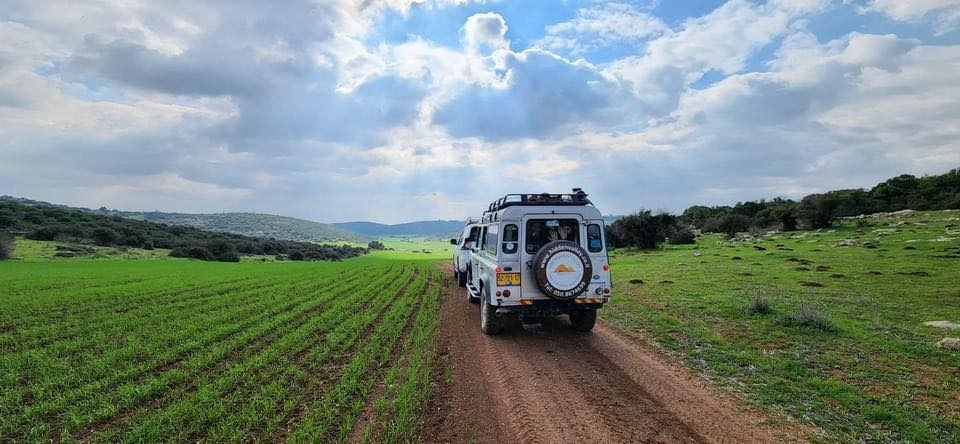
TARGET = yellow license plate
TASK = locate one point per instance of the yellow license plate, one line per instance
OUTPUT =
(508, 279)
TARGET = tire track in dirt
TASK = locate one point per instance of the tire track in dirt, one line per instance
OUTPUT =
(559, 385)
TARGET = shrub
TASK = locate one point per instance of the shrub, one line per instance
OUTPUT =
(223, 251)
(192, 252)
(760, 303)
(682, 236)
(810, 317)
(729, 224)
(376, 245)
(6, 246)
(296, 256)
(105, 236)
(47, 233)
(148, 245)
(642, 229)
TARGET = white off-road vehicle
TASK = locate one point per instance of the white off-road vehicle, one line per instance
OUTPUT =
(539, 255)
(463, 246)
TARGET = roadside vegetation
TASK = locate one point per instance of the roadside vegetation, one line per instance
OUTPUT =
(160, 350)
(826, 326)
(646, 229)
(52, 223)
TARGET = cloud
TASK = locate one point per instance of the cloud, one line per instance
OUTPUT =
(485, 32)
(540, 93)
(600, 27)
(945, 14)
(307, 110)
(721, 41)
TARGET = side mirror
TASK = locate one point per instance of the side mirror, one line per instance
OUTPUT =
(453, 241)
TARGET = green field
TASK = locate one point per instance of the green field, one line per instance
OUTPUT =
(154, 350)
(866, 369)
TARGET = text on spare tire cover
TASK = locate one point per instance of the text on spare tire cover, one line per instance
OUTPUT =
(564, 266)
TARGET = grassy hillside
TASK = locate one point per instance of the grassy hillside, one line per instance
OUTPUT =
(432, 229)
(252, 224)
(826, 326)
(44, 222)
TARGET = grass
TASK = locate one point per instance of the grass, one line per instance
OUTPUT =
(848, 352)
(172, 349)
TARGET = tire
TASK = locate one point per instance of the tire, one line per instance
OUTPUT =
(563, 270)
(583, 320)
(461, 277)
(490, 323)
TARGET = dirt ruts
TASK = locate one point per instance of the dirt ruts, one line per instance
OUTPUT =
(559, 385)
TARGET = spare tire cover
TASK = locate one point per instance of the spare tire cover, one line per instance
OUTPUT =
(563, 270)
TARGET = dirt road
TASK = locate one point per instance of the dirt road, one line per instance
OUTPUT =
(558, 385)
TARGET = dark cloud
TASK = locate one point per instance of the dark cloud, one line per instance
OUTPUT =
(544, 93)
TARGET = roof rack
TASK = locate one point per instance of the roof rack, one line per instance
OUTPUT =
(577, 197)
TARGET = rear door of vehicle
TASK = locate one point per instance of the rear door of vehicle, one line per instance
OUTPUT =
(528, 282)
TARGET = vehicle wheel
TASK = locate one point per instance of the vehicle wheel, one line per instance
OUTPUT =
(461, 277)
(470, 297)
(583, 320)
(490, 323)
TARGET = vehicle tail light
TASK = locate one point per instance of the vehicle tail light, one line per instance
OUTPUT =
(606, 267)
(498, 269)
(506, 293)
(498, 293)
(606, 291)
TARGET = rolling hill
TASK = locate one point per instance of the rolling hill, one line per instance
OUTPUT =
(251, 224)
(432, 228)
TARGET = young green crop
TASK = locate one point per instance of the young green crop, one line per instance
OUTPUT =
(184, 350)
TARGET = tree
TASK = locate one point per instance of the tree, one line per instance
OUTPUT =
(642, 229)
(6, 246)
(376, 245)
(105, 236)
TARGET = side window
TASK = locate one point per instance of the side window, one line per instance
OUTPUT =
(511, 237)
(594, 240)
(481, 234)
(490, 242)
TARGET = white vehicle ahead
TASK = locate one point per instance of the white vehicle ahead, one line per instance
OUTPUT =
(461, 254)
(539, 255)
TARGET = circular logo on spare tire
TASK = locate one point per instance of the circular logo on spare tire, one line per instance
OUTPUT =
(563, 270)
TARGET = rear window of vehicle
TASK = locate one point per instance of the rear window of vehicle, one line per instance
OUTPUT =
(510, 239)
(541, 231)
(594, 238)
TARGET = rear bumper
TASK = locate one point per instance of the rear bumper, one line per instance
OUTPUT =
(547, 307)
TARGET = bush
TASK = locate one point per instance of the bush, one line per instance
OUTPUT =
(376, 245)
(105, 236)
(6, 246)
(809, 317)
(47, 233)
(760, 303)
(729, 224)
(192, 253)
(148, 245)
(296, 256)
(643, 229)
(682, 236)
(223, 251)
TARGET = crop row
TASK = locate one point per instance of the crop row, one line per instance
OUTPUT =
(259, 353)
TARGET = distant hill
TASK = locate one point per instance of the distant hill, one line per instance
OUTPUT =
(249, 224)
(42, 221)
(432, 228)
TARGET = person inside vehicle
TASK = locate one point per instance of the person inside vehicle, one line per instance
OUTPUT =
(567, 232)
(536, 237)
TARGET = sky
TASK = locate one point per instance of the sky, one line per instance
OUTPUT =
(401, 110)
